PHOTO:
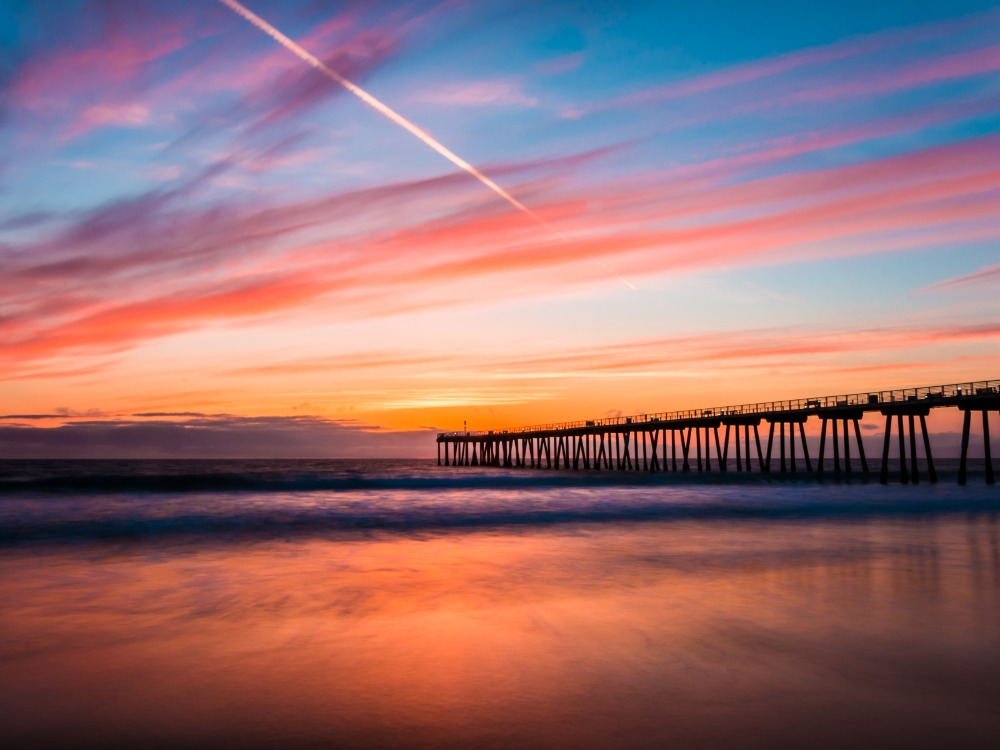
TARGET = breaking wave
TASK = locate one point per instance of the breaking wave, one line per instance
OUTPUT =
(80, 501)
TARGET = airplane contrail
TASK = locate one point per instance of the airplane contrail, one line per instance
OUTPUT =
(392, 114)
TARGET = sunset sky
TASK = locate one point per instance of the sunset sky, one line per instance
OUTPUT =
(201, 235)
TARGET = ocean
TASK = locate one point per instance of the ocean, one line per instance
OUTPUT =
(398, 604)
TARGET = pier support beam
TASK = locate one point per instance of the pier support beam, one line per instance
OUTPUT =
(861, 446)
(909, 468)
(904, 477)
(987, 450)
(786, 445)
(722, 446)
(844, 418)
(847, 448)
(986, 447)
(836, 449)
(884, 476)
(766, 466)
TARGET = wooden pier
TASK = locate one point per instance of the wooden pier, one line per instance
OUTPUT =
(683, 440)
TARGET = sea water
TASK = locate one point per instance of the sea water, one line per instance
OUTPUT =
(401, 604)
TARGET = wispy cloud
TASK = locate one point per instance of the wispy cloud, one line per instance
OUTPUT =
(128, 115)
(805, 74)
(964, 64)
(115, 72)
(790, 349)
(367, 361)
(985, 275)
(555, 66)
(25, 220)
(650, 229)
(476, 94)
(117, 52)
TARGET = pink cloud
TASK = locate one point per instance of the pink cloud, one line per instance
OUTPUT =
(876, 203)
(964, 64)
(97, 71)
(273, 87)
(558, 65)
(115, 79)
(476, 94)
(47, 82)
(768, 153)
(128, 115)
(201, 267)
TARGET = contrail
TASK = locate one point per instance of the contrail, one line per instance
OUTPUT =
(397, 118)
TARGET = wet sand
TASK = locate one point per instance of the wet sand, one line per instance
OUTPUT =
(716, 633)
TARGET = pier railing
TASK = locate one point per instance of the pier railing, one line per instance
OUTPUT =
(866, 400)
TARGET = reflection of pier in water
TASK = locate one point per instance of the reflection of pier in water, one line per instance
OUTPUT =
(641, 443)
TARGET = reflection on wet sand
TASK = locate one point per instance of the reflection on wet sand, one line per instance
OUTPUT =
(651, 634)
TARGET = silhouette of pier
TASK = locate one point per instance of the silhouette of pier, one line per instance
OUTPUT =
(683, 440)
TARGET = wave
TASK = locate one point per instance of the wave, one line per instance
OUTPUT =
(191, 483)
(239, 477)
(213, 518)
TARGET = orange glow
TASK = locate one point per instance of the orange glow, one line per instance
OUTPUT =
(471, 638)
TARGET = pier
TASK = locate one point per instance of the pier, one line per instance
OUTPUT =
(683, 441)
